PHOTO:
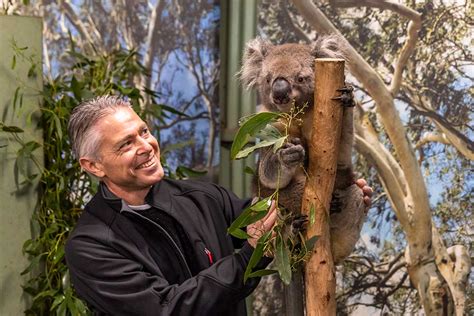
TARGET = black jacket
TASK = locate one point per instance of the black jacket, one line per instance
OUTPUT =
(121, 263)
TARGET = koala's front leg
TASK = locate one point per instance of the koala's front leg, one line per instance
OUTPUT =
(345, 176)
(275, 170)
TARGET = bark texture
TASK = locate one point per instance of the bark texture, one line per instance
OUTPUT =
(320, 280)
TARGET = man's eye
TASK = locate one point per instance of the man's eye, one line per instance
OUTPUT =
(127, 143)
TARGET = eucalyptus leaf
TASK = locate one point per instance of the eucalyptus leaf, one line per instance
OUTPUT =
(269, 132)
(249, 129)
(256, 255)
(311, 242)
(251, 214)
(248, 150)
(282, 260)
(239, 233)
(312, 214)
(261, 273)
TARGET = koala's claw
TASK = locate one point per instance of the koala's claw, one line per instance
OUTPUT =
(336, 203)
(346, 97)
(298, 225)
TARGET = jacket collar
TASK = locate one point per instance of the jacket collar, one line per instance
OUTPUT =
(159, 196)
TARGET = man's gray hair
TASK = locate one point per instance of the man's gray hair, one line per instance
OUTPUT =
(85, 140)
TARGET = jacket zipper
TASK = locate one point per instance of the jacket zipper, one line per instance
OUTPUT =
(209, 255)
(168, 236)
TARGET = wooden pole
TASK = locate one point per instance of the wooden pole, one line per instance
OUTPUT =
(320, 279)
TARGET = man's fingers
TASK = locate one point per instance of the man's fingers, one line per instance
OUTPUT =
(361, 183)
(367, 200)
(367, 191)
(270, 219)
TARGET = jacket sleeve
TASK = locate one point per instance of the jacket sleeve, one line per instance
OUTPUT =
(118, 285)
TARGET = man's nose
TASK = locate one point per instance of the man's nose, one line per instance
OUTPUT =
(144, 146)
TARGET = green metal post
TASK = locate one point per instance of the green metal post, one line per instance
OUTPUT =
(16, 207)
(237, 27)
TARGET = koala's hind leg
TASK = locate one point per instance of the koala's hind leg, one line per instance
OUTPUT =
(346, 222)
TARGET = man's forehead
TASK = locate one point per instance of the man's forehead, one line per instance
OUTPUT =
(120, 123)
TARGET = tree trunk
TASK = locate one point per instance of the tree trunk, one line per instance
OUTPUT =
(320, 280)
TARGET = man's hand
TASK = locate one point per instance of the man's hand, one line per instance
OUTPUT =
(366, 190)
(257, 229)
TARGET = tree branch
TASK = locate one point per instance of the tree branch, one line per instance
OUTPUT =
(393, 125)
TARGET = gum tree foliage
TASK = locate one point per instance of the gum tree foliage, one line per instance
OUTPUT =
(176, 42)
(429, 75)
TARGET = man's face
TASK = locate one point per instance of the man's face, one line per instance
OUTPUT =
(129, 156)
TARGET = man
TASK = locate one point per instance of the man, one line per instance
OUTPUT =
(146, 245)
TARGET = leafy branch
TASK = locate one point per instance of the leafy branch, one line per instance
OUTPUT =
(289, 248)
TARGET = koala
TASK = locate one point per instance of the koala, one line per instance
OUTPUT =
(284, 78)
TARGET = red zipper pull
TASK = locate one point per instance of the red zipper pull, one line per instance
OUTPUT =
(209, 255)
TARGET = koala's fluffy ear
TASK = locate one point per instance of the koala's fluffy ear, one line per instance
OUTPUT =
(255, 52)
(328, 46)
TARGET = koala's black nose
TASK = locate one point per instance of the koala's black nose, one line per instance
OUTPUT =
(280, 91)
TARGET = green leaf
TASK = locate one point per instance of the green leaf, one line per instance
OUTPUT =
(278, 143)
(76, 88)
(239, 233)
(59, 129)
(251, 214)
(257, 254)
(13, 62)
(189, 172)
(249, 170)
(59, 255)
(249, 129)
(15, 97)
(12, 129)
(309, 244)
(172, 110)
(32, 71)
(265, 143)
(28, 148)
(58, 300)
(282, 260)
(261, 273)
(45, 294)
(80, 306)
(312, 214)
(269, 132)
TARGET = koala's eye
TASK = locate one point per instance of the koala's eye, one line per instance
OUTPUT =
(268, 79)
(300, 79)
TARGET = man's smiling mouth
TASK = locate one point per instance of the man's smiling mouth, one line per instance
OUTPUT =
(146, 164)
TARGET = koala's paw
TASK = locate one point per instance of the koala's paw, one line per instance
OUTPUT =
(346, 97)
(291, 153)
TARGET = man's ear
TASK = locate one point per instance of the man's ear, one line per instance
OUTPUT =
(93, 167)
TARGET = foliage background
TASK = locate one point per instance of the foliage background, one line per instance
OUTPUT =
(177, 41)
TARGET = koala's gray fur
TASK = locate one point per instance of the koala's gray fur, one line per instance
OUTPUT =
(284, 76)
